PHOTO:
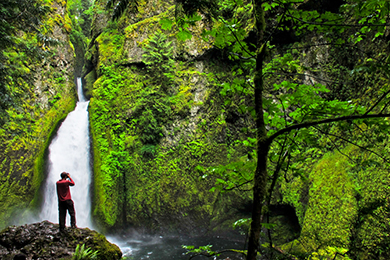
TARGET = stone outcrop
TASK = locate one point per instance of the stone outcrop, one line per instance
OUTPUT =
(44, 241)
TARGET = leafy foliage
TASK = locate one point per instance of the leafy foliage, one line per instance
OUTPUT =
(19, 17)
(310, 96)
(158, 58)
(154, 105)
(81, 15)
(147, 113)
(120, 6)
(83, 253)
(295, 103)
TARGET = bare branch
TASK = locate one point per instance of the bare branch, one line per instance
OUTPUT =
(385, 106)
(239, 42)
(359, 146)
(238, 185)
(335, 145)
(379, 100)
(337, 24)
(323, 121)
(364, 134)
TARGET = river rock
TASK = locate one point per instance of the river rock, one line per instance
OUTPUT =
(44, 241)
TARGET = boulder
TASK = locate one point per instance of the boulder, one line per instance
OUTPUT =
(43, 240)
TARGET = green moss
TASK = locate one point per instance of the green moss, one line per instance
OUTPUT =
(347, 208)
(149, 136)
(105, 248)
(332, 203)
(110, 47)
(89, 79)
(30, 124)
(164, 185)
(23, 171)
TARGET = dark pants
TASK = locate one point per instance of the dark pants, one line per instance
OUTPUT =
(64, 206)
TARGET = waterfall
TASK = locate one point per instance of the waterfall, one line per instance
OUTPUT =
(69, 151)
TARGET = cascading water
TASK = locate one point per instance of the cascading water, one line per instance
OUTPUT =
(70, 152)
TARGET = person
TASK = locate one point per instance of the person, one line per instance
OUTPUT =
(20, 257)
(65, 202)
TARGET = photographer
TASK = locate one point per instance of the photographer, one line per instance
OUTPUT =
(65, 202)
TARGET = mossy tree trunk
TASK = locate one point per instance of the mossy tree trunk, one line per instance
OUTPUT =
(260, 178)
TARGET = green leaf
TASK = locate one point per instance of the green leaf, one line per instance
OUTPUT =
(241, 222)
(268, 225)
(166, 24)
(184, 35)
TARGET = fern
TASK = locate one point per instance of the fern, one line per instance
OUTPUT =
(83, 253)
(158, 58)
(148, 150)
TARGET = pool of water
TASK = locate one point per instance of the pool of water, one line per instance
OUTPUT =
(170, 248)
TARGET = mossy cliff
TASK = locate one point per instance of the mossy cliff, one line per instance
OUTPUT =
(155, 128)
(33, 119)
(342, 205)
(339, 190)
(160, 116)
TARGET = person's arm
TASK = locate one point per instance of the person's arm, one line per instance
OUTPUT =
(71, 181)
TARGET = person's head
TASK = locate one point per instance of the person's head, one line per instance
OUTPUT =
(64, 175)
(20, 257)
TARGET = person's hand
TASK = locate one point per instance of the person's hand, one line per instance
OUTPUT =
(68, 175)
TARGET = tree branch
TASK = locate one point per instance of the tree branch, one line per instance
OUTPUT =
(359, 146)
(238, 185)
(285, 254)
(336, 24)
(334, 143)
(239, 42)
(362, 132)
(379, 100)
(323, 121)
(384, 107)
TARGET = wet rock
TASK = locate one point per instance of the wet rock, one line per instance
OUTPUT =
(44, 241)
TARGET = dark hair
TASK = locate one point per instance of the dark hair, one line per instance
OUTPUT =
(64, 175)
(20, 257)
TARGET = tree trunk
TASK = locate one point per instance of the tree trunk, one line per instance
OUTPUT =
(260, 178)
(259, 190)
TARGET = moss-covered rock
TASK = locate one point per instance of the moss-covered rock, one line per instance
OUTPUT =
(32, 120)
(44, 241)
(154, 133)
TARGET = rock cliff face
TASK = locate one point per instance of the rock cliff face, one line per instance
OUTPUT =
(162, 184)
(33, 118)
(44, 241)
(155, 131)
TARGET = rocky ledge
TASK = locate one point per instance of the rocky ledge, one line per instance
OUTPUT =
(44, 241)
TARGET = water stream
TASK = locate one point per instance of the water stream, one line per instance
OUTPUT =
(168, 248)
(69, 151)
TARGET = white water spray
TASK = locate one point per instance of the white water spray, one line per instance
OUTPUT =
(70, 152)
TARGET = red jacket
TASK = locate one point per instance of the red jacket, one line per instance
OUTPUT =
(63, 191)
